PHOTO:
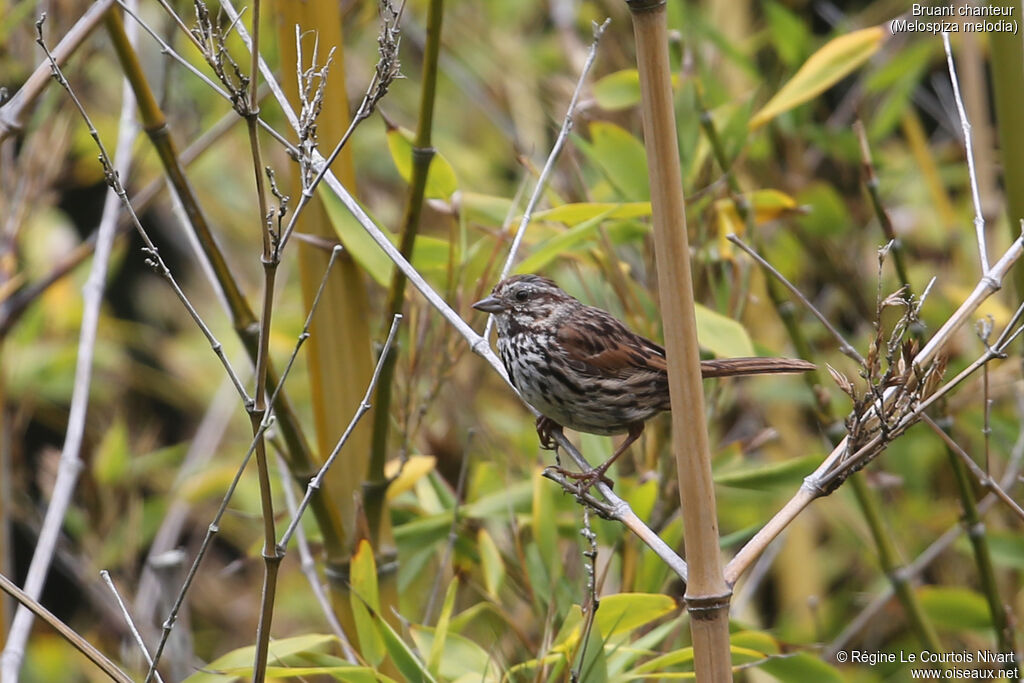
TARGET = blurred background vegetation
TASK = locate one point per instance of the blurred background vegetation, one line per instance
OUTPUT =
(482, 572)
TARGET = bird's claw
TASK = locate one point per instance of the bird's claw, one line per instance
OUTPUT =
(586, 479)
(546, 431)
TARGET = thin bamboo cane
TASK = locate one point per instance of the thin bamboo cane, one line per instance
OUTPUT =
(707, 595)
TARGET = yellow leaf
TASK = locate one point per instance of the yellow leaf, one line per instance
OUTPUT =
(767, 205)
(404, 476)
(824, 68)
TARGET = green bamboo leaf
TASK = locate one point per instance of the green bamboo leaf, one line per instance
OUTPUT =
(955, 609)
(366, 604)
(594, 665)
(573, 214)
(824, 68)
(460, 657)
(441, 631)
(756, 640)
(623, 612)
(238, 663)
(621, 89)
(484, 208)
(430, 255)
(618, 90)
(1007, 548)
(622, 159)
(722, 336)
(347, 673)
(491, 564)
(800, 668)
(545, 531)
(673, 658)
(549, 250)
(789, 32)
(405, 660)
(441, 180)
(655, 668)
(771, 476)
(356, 241)
(112, 461)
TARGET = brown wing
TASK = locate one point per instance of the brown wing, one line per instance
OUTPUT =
(598, 345)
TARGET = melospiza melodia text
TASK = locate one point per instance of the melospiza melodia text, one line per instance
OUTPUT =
(581, 368)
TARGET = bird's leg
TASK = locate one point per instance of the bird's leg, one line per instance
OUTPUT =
(596, 474)
(546, 431)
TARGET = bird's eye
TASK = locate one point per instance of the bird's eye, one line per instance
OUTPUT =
(522, 295)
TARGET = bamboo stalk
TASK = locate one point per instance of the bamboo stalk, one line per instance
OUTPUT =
(270, 259)
(707, 595)
(375, 487)
(975, 527)
(894, 566)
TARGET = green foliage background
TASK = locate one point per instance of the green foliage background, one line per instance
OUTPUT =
(491, 576)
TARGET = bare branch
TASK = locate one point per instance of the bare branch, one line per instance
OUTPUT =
(979, 220)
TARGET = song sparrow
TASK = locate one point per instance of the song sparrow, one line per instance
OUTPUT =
(581, 368)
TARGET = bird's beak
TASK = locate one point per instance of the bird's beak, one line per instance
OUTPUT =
(489, 305)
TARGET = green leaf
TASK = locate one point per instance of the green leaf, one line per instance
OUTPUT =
(618, 90)
(621, 89)
(771, 476)
(238, 663)
(430, 255)
(366, 604)
(824, 68)
(1007, 548)
(460, 655)
(441, 631)
(790, 34)
(674, 658)
(441, 181)
(755, 640)
(622, 159)
(491, 564)
(623, 612)
(722, 336)
(590, 660)
(549, 250)
(347, 673)
(484, 208)
(955, 609)
(542, 522)
(829, 217)
(406, 661)
(573, 214)
(355, 239)
(800, 668)
(112, 461)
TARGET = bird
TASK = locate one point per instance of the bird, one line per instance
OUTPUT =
(582, 368)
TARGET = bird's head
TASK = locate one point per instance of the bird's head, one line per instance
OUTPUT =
(524, 301)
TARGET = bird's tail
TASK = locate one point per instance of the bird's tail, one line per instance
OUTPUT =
(731, 367)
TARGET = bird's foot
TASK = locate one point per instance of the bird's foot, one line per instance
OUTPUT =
(546, 431)
(586, 479)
